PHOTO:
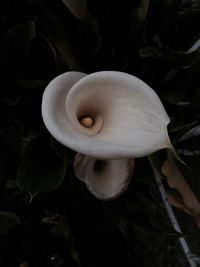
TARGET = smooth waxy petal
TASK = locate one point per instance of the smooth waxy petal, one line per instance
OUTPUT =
(129, 118)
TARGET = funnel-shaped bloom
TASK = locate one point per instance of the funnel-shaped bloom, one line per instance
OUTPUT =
(105, 179)
(127, 119)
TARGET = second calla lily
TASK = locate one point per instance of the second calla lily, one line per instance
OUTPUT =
(126, 117)
(105, 179)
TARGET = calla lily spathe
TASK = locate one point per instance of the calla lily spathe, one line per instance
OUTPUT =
(129, 118)
(105, 179)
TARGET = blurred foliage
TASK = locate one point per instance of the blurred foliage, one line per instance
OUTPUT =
(61, 224)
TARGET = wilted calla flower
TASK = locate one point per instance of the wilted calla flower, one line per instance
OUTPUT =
(127, 119)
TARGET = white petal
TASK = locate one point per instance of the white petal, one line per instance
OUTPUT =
(105, 179)
(130, 120)
(53, 105)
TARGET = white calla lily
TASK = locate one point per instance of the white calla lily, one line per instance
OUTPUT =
(128, 118)
(105, 179)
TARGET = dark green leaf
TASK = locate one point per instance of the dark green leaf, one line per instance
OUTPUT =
(8, 92)
(30, 84)
(41, 169)
(9, 161)
(189, 142)
(193, 132)
(14, 45)
(151, 51)
(12, 134)
(9, 221)
(186, 30)
(178, 59)
(51, 29)
(180, 126)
